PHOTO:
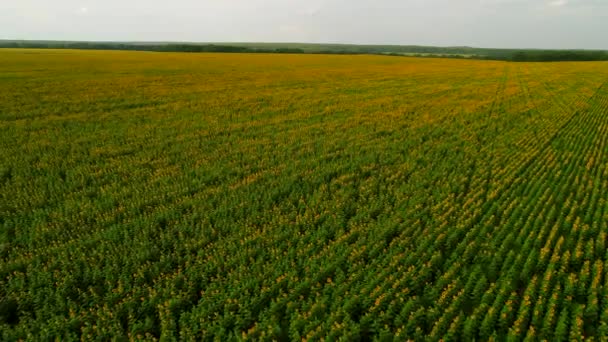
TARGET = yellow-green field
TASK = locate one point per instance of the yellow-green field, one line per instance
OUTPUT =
(288, 197)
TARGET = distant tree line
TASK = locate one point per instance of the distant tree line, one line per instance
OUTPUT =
(392, 50)
(554, 56)
(145, 47)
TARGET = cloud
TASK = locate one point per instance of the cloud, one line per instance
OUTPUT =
(291, 29)
(558, 3)
(490, 23)
(313, 11)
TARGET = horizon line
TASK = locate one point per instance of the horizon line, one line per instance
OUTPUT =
(295, 42)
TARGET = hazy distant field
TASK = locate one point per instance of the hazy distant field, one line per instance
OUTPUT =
(200, 196)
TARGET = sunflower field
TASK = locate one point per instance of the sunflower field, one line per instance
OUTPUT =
(173, 196)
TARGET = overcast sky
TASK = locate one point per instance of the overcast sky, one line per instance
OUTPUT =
(481, 23)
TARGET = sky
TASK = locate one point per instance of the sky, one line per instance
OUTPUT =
(563, 24)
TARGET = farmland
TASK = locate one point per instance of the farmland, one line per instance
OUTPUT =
(286, 197)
